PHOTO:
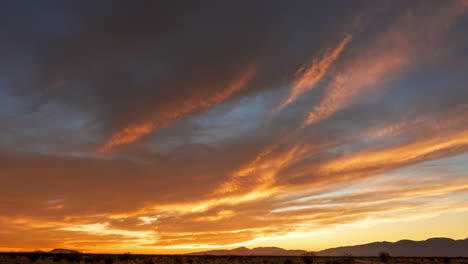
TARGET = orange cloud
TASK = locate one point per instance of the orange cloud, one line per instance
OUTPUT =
(220, 215)
(450, 118)
(249, 221)
(387, 58)
(132, 133)
(373, 161)
(260, 174)
(362, 76)
(309, 76)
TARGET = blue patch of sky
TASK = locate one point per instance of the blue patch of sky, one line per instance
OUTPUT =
(348, 190)
(433, 170)
(231, 119)
(227, 121)
(457, 164)
(50, 127)
(423, 84)
(9, 105)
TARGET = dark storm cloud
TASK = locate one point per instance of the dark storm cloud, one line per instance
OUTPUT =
(146, 62)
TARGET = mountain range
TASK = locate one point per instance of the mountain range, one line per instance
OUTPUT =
(440, 247)
(59, 251)
(259, 251)
(443, 247)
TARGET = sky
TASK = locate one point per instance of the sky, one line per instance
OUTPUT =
(181, 126)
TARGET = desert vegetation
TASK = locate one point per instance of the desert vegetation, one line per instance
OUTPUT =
(127, 258)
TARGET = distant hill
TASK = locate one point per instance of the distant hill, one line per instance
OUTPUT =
(440, 247)
(63, 251)
(259, 251)
(433, 247)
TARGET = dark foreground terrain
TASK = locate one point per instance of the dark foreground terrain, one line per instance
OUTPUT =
(45, 258)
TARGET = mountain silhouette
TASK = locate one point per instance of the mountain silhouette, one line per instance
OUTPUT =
(433, 247)
(63, 251)
(259, 251)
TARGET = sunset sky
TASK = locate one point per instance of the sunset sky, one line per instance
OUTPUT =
(181, 126)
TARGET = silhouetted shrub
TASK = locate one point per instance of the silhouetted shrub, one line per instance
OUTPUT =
(308, 258)
(384, 256)
(178, 260)
(348, 259)
(109, 260)
(125, 256)
(73, 257)
(92, 259)
(288, 261)
(33, 257)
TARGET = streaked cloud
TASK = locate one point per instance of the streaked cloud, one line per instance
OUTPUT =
(347, 87)
(308, 76)
(148, 127)
(133, 133)
(391, 56)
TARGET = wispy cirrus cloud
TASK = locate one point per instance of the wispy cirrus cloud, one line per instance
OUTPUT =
(391, 56)
(176, 112)
(450, 118)
(347, 87)
(309, 75)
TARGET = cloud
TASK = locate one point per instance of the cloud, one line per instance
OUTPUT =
(133, 133)
(308, 76)
(136, 68)
(378, 160)
(176, 98)
(348, 86)
(391, 56)
(450, 118)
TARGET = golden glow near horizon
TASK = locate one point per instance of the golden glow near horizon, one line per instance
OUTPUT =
(168, 136)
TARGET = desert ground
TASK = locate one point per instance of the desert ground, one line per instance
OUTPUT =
(40, 258)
